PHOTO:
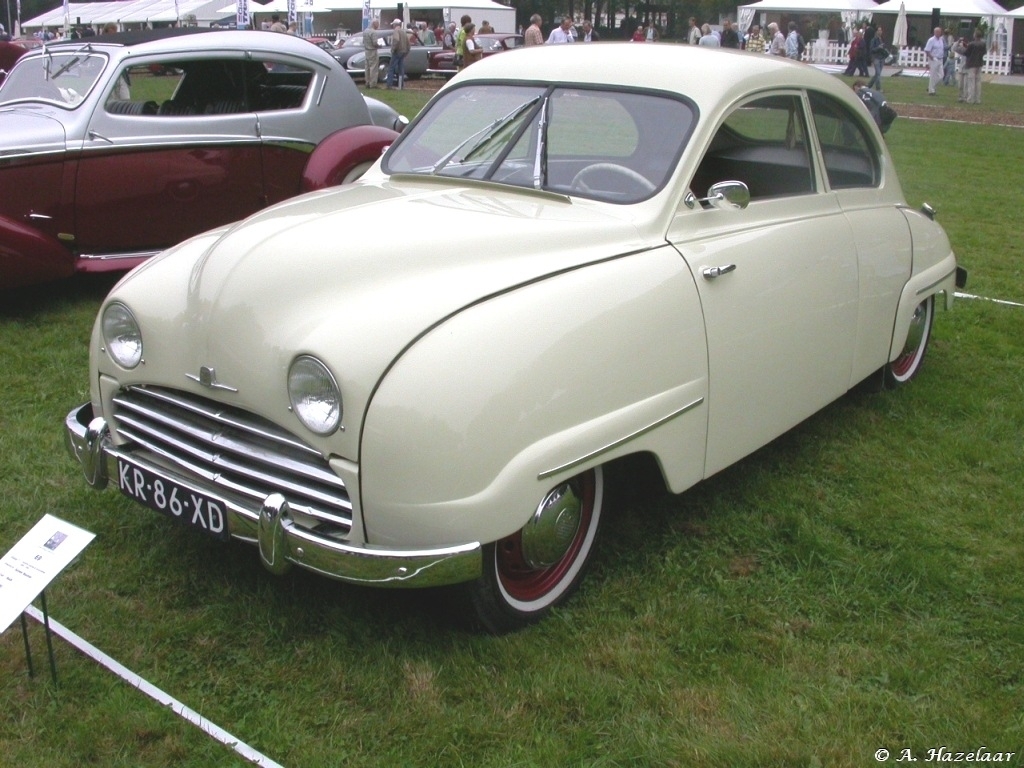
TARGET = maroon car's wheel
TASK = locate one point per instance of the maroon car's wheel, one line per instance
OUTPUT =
(538, 567)
(906, 366)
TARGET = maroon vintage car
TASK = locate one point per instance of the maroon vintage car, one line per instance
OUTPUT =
(104, 163)
(10, 52)
(443, 62)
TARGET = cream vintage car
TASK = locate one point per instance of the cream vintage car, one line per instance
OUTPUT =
(678, 259)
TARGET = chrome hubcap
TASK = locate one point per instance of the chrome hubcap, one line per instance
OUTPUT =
(550, 532)
(916, 332)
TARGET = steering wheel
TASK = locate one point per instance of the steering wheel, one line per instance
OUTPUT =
(601, 178)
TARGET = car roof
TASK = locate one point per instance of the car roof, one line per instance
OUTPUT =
(709, 76)
(193, 40)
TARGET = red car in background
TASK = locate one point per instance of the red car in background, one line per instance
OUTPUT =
(106, 163)
(443, 62)
(10, 52)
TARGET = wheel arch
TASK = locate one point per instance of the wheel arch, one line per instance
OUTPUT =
(29, 256)
(934, 274)
(494, 406)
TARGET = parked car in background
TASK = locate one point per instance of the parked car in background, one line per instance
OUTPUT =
(416, 62)
(669, 253)
(443, 62)
(118, 146)
(10, 52)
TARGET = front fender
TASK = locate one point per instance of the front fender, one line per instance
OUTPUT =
(342, 152)
(492, 407)
(29, 256)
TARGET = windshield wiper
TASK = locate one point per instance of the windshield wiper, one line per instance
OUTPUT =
(485, 134)
(540, 161)
(84, 49)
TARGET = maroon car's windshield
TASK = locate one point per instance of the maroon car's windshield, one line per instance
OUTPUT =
(63, 78)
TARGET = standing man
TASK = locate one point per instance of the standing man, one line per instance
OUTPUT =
(534, 35)
(777, 47)
(589, 33)
(399, 50)
(563, 33)
(793, 43)
(448, 39)
(755, 43)
(730, 37)
(935, 52)
(974, 60)
(877, 53)
(693, 36)
(372, 67)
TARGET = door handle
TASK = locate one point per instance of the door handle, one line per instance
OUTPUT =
(710, 273)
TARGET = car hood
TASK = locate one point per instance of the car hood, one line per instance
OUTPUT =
(352, 275)
(25, 129)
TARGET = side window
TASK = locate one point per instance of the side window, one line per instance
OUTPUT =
(851, 159)
(178, 87)
(140, 90)
(764, 144)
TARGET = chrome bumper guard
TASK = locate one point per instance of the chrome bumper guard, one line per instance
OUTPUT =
(282, 543)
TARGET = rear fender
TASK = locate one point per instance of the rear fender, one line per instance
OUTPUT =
(343, 152)
(29, 256)
(934, 273)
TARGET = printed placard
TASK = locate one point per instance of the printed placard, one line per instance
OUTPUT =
(35, 561)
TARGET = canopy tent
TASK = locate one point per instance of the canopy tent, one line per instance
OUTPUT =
(128, 12)
(849, 10)
(301, 6)
(946, 7)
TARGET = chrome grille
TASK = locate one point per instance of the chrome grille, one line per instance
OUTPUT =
(240, 455)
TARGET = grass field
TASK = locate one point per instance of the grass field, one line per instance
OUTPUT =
(854, 586)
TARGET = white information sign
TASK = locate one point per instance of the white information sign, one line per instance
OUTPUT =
(35, 561)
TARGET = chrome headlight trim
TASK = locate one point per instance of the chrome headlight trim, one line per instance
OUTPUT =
(121, 335)
(314, 395)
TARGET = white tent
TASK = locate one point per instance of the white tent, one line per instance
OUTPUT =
(946, 7)
(849, 10)
(133, 12)
(813, 6)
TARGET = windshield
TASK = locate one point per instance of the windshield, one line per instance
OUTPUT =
(64, 78)
(611, 145)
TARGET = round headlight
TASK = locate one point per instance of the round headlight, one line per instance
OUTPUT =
(314, 395)
(121, 335)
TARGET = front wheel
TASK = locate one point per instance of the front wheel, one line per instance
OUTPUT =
(538, 567)
(908, 363)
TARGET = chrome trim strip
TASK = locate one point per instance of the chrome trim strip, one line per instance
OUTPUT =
(604, 449)
(942, 279)
(219, 416)
(117, 256)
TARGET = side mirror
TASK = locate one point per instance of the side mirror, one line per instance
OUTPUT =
(727, 194)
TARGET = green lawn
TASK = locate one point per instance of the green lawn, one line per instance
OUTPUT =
(855, 585)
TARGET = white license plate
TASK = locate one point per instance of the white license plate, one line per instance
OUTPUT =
(194, 509)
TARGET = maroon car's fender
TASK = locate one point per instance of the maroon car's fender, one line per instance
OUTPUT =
(29, 256)
(343, 151)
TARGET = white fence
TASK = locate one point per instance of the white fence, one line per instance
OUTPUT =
(831, 52)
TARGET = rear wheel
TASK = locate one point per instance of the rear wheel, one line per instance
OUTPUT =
(538, 567)
(908, 363)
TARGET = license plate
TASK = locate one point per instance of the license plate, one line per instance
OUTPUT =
(176, 501)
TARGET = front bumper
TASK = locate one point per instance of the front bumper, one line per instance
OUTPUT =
(282, 543)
